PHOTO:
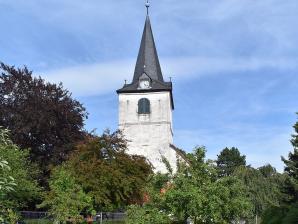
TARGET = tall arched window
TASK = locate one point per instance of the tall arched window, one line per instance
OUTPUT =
(144, 106)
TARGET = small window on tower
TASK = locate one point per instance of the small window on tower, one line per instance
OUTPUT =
(144, 106)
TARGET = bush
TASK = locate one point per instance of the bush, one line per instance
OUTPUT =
(146, 215)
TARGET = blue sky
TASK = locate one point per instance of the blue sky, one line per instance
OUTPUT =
(234, 63)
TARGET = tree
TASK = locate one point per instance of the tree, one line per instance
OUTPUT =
(263, 187)
(66, 199)
(26, 191)
(40, 115)
(107, 173)
(195, 192)
(281, 215)
(228, 160)
(146, 215)
(290, 188)
(17, 175)
(7, 182)
(267, 170)
(291, 169)
(287, 211)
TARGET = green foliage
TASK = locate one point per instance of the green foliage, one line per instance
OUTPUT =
(7, 185)
(273, 215)
(291, 216)
(66, 199)
(21, 188)
(195, 192)
(228, 160)
(281, 215)
(287, 211)
(23, 172)
(38, 221)
(294, 139)
(146, 215)
(110, 176)
(262, 187)
(290, 189)
(12, 216)
(291, 183)
(167, 164)
(267, 170)
(99, 175)
(7, 182)
(41, 116)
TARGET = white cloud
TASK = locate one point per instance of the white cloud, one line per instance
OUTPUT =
(198, 66)
(93, 79)
(101, 78)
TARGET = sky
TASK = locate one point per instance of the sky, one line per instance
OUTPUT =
(233, 63)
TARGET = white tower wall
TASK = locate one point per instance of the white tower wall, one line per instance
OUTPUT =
(149, 135)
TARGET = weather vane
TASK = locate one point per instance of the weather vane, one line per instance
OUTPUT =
(147, 4)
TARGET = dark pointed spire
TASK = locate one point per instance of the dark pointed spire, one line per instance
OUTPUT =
(148, 61)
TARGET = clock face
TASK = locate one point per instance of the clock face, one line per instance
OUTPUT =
(144, 84)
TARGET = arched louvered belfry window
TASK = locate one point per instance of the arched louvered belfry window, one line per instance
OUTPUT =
(144, 106)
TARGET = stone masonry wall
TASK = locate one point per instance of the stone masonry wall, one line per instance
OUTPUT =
(151, 134)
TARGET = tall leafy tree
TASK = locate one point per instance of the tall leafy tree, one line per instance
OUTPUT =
(262, 187)
(66, 199)
(17, 175)
(107, 173)
(194, 192)
(7, 182)
(287, 211)
(267, 170)
(40, 115)
(146, 215)
(291, 169)
(228, 160)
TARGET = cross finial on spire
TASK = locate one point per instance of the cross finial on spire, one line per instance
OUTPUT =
(147, 4)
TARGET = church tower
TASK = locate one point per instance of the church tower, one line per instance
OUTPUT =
(145, 107)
